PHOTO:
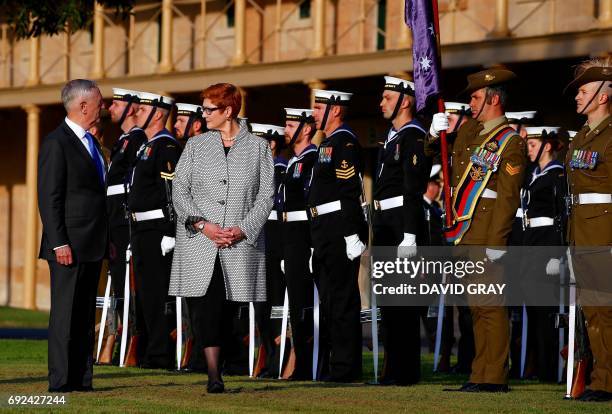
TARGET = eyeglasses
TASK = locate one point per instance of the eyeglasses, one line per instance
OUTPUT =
(209, 111)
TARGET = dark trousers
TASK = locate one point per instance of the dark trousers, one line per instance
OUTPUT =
(401, 325)
(269, 329)
(402, 341)
(119, 238)
(340, 303)
(153, 305)
(71, 323)
(300, 288)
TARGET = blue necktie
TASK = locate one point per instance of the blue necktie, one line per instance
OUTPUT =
(93, 151)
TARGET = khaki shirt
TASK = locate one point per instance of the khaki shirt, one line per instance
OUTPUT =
(492, 218)
(591, 224)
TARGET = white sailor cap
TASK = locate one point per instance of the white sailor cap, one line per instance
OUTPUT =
(399, 85)
(332, 97)
(267, 131)
(572, 134)
(300, 115)
(188, 109)
(516, 117)
(455, 107)
(536, 132)
(154, 99)
(127, 95)
(435, 170)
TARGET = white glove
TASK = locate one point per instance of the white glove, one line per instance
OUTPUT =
(310, 260)
(552, 267)
(282, 264)
(439, 122)
(354, 246)
(494, 254)
(408, 247)
(167, 245)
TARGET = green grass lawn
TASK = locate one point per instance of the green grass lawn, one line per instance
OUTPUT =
(22, 318)
(23, 371)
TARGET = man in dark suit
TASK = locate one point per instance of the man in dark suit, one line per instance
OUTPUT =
(71, 200)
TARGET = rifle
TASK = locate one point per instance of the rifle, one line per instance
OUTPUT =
(584, 356)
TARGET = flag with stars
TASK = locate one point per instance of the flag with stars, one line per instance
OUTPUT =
(419, 17)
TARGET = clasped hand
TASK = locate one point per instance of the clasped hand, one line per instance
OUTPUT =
(222, 236)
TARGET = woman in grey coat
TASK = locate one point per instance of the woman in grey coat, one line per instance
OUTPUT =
(222, 194)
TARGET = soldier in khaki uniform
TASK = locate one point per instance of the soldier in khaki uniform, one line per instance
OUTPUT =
(488, 163)
(589, 169)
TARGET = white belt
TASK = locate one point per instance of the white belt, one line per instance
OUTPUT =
(273, 215)
(299, 215)
(148, 215)
(325, 208)
(540, 222)
(489, 193)
(519, 213)
(389, 203)
(593, 198)
(116, 189)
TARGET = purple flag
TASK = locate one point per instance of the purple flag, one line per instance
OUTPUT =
(419, 16)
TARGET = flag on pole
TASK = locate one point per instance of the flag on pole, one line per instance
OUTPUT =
(419, 16)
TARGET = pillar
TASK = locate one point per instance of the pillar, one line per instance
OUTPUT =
(34, 75)
(318, 47)
(315, 84)
(165, 64)
(404, 39)
(501, 20)
(605, 13)
(243, 106)
(31, 224)
(240, 33)
(98, 42)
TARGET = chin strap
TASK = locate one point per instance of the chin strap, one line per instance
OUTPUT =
(398, 105)
(332, 101)
(592, 97)
(130, 100)
(303, 120)
(194, 115)
(150, 117)
(462, 113)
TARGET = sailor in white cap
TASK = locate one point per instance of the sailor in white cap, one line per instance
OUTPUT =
(398, 219)
(519, 120)
(296, 240)
(544, 223)
(338, 231)
(269, 330)
(189, 121)
(123, 155)
(153, 224)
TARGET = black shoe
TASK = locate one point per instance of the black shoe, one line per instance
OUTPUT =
(62, 389)
(215, 387)
(596, 396)
(83, 389)
(494, 387)
(467, 387)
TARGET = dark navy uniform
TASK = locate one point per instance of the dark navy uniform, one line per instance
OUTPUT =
(275, 282)
(401, 179)
(545, 220)
(122, 158)
(151, 213)
(336, 180)
(296, 245)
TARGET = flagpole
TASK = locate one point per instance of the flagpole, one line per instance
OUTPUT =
(443, 142)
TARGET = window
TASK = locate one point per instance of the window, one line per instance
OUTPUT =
(230, 14)
(381, 24)
(305, 9)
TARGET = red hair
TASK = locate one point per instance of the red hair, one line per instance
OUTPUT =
(224, 95)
